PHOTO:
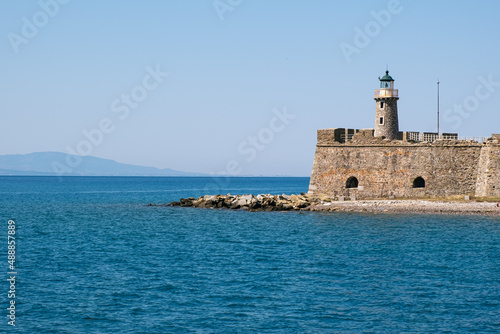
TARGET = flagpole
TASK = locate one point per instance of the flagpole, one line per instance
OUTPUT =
(438, 107)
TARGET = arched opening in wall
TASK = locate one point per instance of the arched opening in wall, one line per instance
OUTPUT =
(351, 182)
(419, 182)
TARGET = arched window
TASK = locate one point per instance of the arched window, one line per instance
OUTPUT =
(419, 182)
(351, 182)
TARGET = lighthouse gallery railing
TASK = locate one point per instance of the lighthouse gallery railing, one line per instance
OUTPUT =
(386, 93)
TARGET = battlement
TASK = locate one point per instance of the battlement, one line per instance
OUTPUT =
(336, 136)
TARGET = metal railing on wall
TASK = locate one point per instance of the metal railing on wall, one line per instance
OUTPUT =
(431, 137)
(476, 139)
(345, 138)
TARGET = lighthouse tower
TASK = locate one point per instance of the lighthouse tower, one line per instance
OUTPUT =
(386, 111)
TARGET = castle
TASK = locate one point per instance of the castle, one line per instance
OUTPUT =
(386, 163)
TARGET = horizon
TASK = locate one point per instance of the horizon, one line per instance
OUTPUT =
(54, 173)
(238, 88)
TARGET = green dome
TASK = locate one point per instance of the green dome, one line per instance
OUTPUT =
(386, 77)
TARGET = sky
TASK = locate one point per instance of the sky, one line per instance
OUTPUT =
(237, 87)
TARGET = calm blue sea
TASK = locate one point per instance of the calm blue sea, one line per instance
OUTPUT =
(92, 257)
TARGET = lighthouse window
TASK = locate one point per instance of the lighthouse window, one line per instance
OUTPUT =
(381, 105)
(381, 121)
(352, 182)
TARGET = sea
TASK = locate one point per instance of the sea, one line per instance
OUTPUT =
(91, 256)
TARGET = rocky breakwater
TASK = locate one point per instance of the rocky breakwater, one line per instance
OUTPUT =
(264, 202)
(305, 202)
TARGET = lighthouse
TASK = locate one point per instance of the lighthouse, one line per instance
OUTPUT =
(386, 110)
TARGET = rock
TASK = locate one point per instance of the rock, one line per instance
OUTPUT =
(187, 201)
(228, 201)
(302, 204)
(261, 202)
(269, 201)
(241, 202)
(199, 203)
(234, 206)
(255, 205)
(247, 197)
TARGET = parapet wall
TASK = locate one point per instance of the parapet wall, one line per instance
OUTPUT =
(383, 168)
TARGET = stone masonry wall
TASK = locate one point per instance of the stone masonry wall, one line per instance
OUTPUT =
(488, 178)
(390, 128)
(388, 168)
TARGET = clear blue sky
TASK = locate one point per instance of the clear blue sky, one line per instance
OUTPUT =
(226, 76)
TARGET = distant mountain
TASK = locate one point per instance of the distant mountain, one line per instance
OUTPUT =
(56, 163)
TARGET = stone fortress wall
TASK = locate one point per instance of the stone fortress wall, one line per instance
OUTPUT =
(353, 163)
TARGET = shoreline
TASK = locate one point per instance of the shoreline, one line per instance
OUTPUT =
(304, 202)
(412, 207)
